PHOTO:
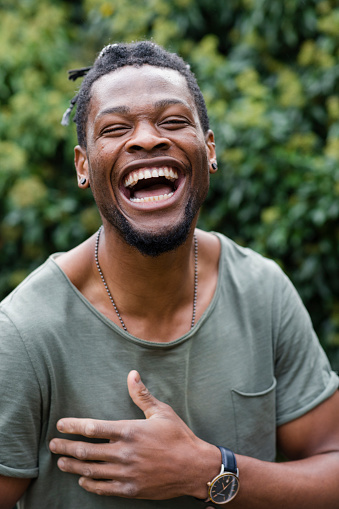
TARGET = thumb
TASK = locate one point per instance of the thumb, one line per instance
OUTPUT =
(141, 395)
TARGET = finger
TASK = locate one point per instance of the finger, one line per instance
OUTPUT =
(82, 450)
(141, 395)
(88, 469)
(91, 428)
(108, 488)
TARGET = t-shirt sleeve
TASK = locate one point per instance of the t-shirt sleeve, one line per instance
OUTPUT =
(303, 373)
(20, 406)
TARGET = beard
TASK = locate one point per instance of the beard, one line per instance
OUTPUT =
(154, 243)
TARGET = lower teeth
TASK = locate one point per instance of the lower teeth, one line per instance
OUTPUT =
(152, 198)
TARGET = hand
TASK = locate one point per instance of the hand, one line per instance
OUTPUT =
(155, 458)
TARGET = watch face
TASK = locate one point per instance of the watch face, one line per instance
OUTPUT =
(224, 488)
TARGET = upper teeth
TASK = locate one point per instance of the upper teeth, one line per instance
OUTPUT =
(146, 173)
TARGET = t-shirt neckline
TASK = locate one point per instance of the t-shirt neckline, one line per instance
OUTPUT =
(128, 335)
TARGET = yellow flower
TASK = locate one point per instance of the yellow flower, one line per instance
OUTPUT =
(332, 148)
(302, 141)
(330, 24)
(248, 82)
(291, 91)
(270, 215)
(28, 191)
(332, 105)
(106, 9)
(248, 113)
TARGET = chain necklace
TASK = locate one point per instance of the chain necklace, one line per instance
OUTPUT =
(110, 295)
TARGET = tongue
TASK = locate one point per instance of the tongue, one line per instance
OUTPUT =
(155, 190)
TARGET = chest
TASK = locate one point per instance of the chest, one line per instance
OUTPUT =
(220, 381)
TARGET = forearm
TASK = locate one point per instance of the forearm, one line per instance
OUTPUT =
(11, 489)
(311, 482)
(167, 460)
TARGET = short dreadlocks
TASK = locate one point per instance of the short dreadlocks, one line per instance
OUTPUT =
(115, 56)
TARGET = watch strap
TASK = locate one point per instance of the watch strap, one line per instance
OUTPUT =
(228, 460)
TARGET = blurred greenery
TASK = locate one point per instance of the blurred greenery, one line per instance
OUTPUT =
(269, 71)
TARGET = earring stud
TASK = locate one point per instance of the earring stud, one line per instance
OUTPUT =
(83, 181)
(214, 166)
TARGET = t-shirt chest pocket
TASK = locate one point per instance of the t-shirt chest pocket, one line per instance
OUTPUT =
(255, 422)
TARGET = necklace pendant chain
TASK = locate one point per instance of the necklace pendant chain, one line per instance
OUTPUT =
(195, 295)
(103, 279)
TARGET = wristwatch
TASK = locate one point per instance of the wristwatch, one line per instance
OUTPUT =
(224, 487)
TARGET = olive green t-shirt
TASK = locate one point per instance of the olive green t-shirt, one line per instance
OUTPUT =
(250, 364)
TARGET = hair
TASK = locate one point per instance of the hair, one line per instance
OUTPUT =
(115, 56)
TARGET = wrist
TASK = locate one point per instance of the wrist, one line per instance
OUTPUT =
(224, 487)
(207, 467)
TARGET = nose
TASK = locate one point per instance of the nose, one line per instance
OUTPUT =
(146, 137)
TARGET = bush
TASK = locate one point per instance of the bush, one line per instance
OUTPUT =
(269, 72)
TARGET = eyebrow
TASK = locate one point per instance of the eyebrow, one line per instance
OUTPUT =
(124, 110)
(117, 109)
(167, 102)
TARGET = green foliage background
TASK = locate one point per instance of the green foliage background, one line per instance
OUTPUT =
(269, 71)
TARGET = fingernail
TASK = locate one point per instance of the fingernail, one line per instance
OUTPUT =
(52, 446)
(60, 426)
(61, 464)
(137, 378)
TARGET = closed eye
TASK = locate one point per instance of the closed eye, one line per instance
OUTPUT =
(175, 123)
(115, 130)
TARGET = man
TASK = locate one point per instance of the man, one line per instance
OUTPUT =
(218, 334)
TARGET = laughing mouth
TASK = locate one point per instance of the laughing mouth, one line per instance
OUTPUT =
(151, 184)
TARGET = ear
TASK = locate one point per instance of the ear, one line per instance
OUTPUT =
(81, 166)
(211, 155)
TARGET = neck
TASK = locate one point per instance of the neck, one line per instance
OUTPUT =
(145, 288)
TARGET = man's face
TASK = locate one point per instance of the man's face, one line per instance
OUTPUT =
(147, 158)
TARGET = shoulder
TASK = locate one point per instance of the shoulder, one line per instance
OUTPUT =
(246, 267)
(35, 282)
(33, 300)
